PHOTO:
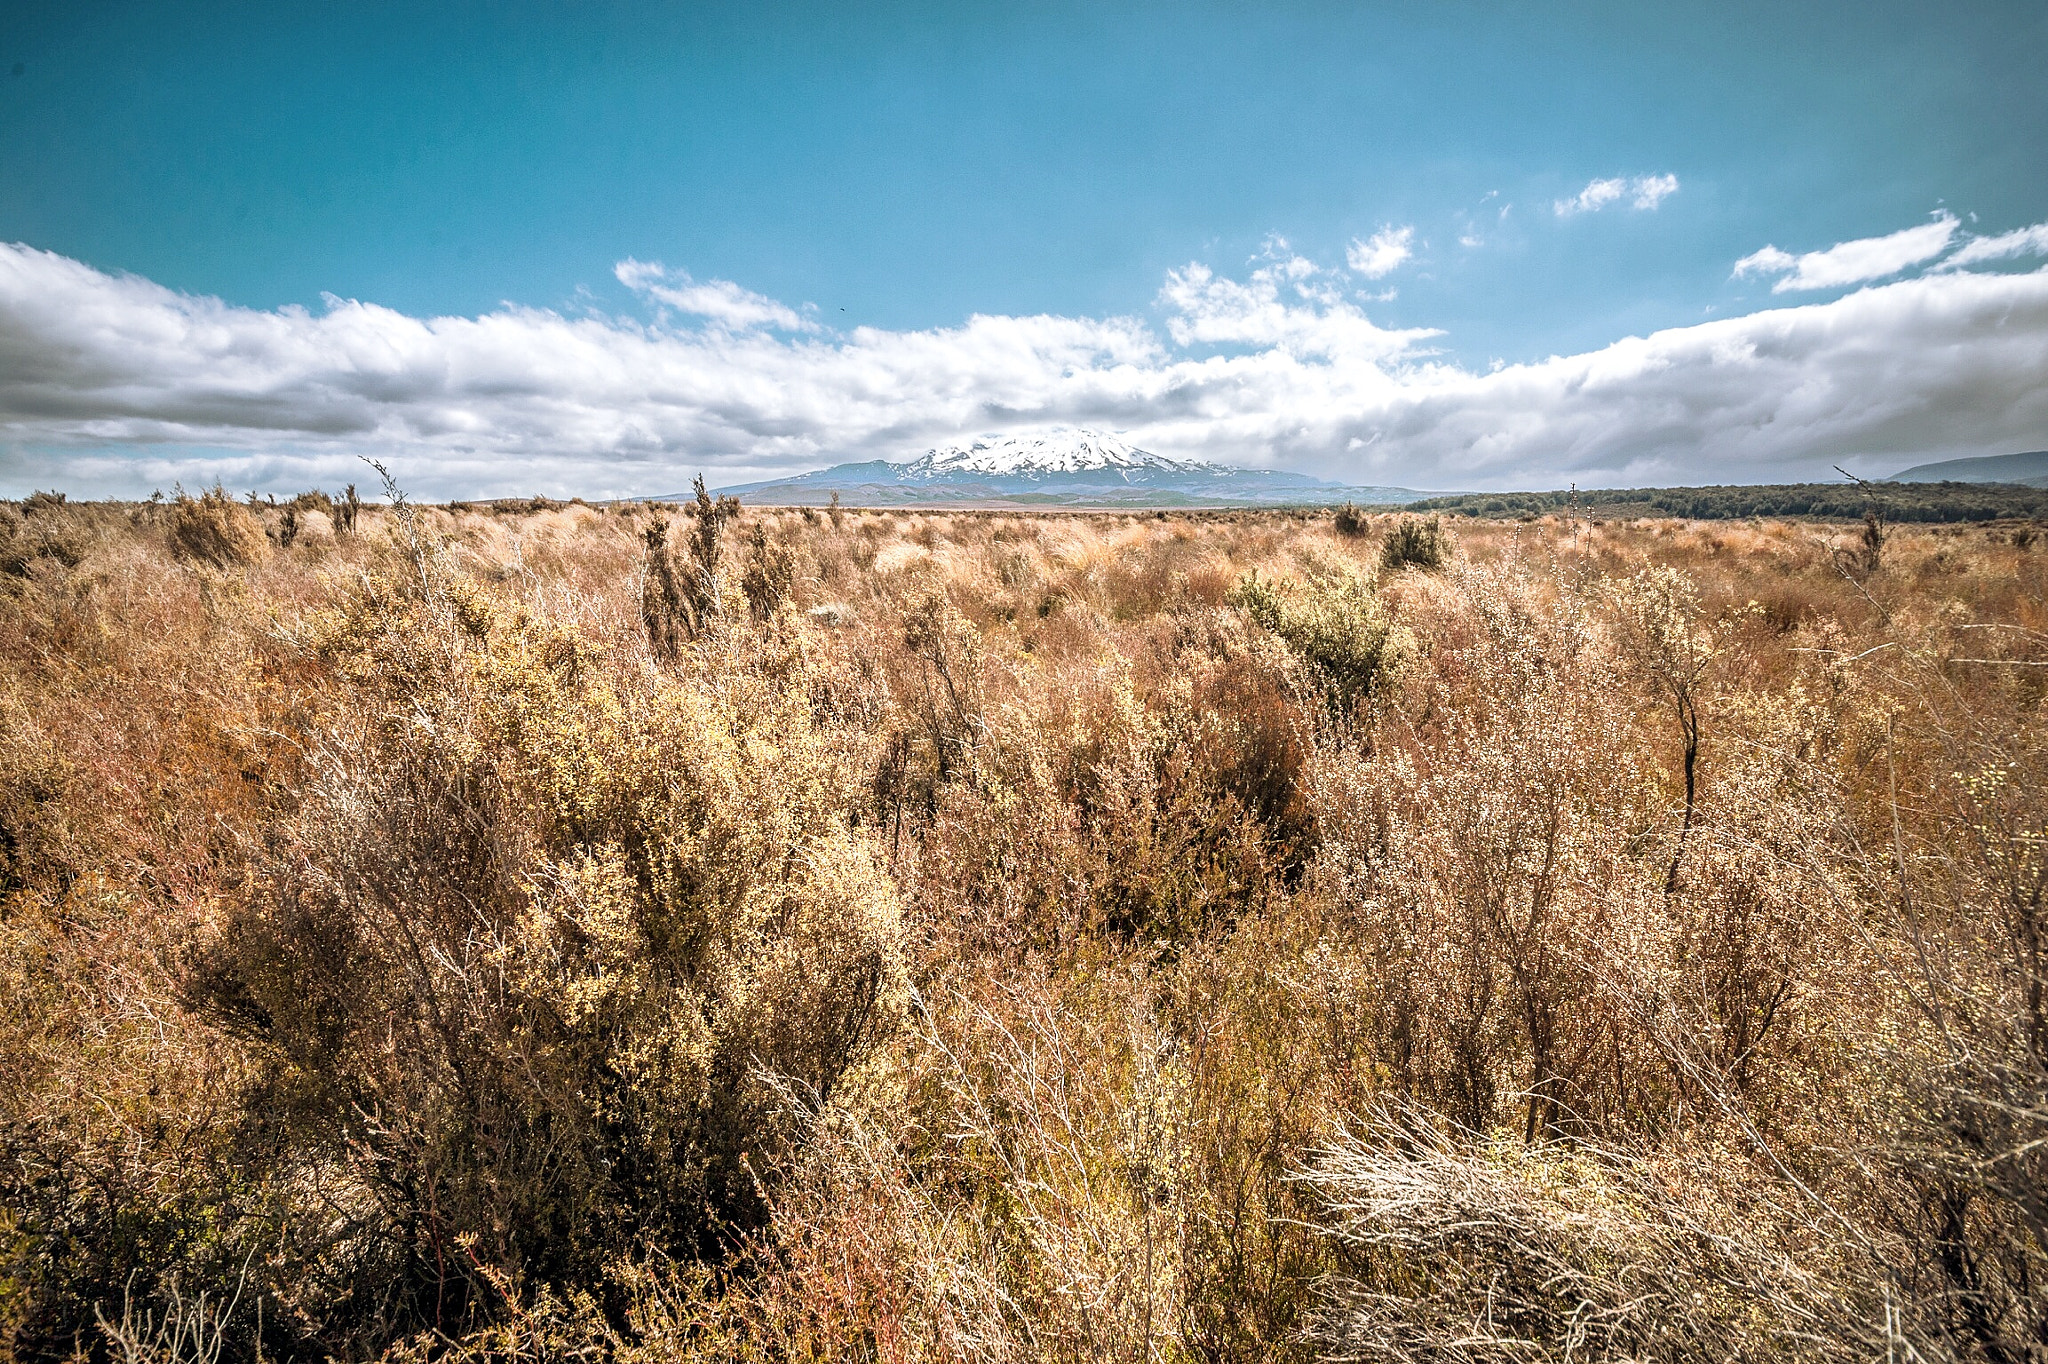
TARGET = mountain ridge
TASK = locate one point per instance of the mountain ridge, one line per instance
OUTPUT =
(2029, 468)
(1059, 468)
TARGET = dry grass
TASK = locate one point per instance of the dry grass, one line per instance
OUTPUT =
(550, 931)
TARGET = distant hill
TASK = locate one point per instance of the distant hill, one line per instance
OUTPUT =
(1065, 468)
(1951, 501)
(2029, 469)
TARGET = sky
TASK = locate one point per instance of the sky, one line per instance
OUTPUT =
(593, 249)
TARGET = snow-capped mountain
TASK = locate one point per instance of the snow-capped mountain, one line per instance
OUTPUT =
(1048, 456)
(1058, 468)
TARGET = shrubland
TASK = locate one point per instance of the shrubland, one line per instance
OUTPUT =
(1923, 502)
(542, 931)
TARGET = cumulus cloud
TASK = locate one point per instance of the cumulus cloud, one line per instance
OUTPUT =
(112, 383)
(1288, 306)
(1853, 262)
(1382, 253)
(1643, 192)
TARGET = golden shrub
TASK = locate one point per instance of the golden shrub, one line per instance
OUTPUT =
(540, 927)
(215, 530)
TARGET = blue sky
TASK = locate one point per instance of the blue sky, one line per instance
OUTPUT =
(919, 166)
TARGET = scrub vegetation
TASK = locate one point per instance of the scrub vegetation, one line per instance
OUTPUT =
(546, 931)
(1935, 502)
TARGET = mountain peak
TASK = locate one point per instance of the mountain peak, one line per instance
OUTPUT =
(1055, 452)
(1066, 467)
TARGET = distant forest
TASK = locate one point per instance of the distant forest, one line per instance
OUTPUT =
(1829, 501)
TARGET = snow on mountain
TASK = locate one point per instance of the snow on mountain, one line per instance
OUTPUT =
(1058, 468)
(1060, 452)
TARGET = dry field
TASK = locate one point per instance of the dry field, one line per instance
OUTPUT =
(561, 932)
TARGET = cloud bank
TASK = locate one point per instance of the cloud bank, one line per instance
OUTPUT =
(112, 383)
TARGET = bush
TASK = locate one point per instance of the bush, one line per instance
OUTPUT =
(682, 595)
(520, 961)
(33, 776)
(770, 575)
(1338, 627)
(1350, 520)
(1864, 557)
(43, 528)
(1925, 502)
(1415, 543)
(665, 595)
(213, 529)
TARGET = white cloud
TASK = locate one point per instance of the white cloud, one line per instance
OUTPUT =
(1594, 197)
(111, 383)
(1651, 190)
(1382, 253)
(2025, 241)
(1769, 261)
(1854, 262)
(1643, 192)
(1286, 307)
(719, 301)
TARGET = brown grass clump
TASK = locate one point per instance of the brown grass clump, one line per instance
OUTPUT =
(1464, 1248)
(683, 586)
(214, 530)
(41, 531)
(1016, 936)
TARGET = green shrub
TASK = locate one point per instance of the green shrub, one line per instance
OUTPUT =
(1415, 543)
(1923, 502)
(1338, 627)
